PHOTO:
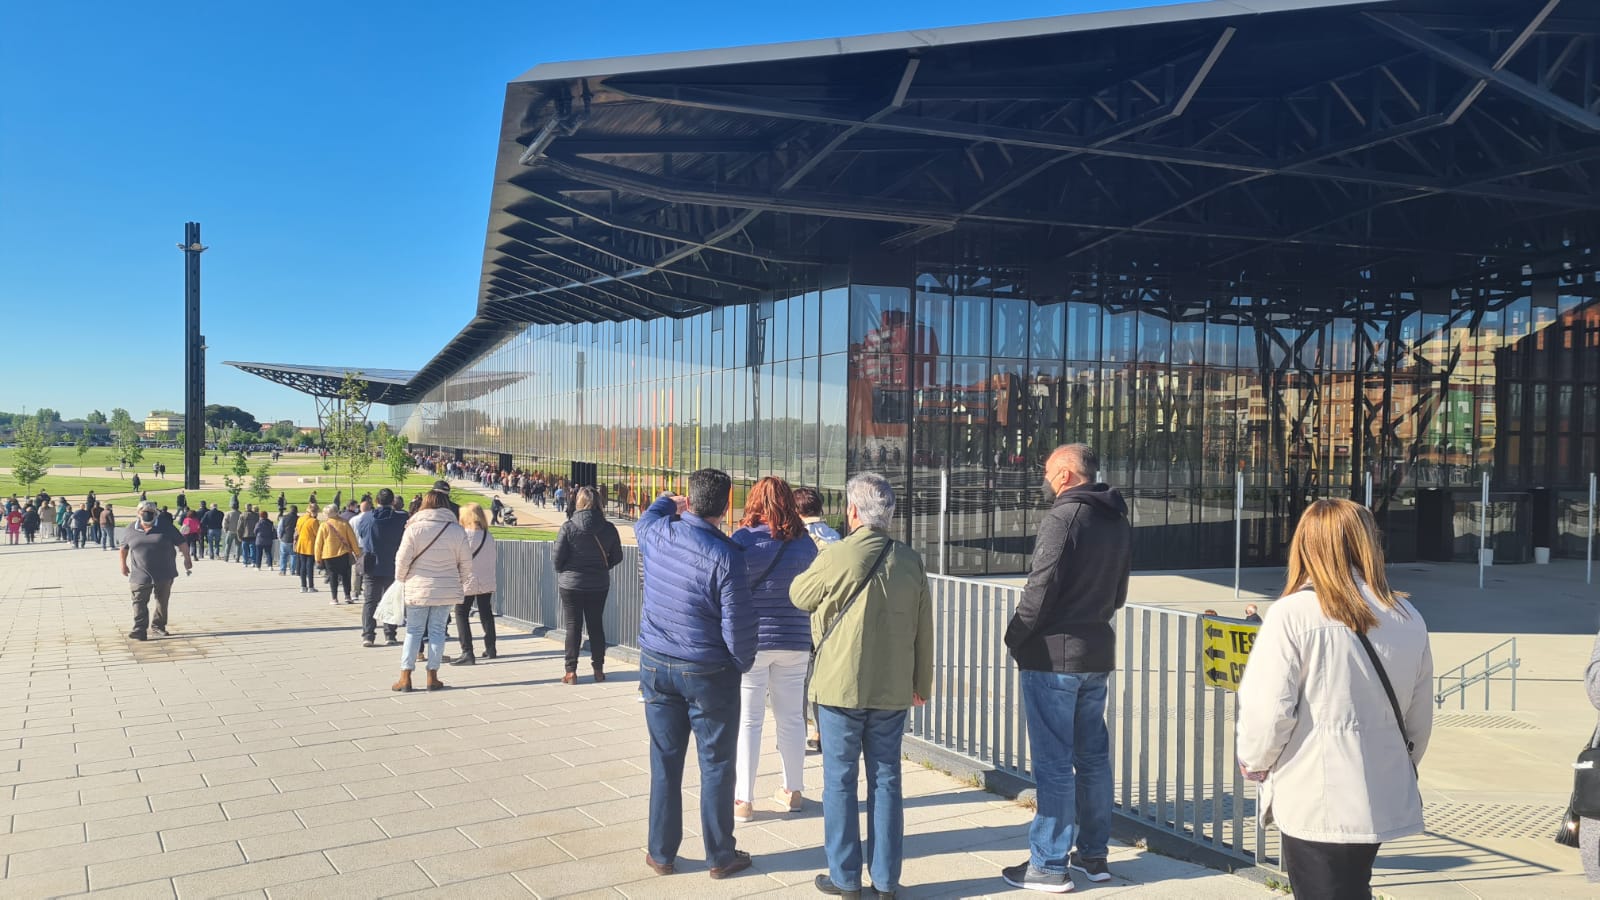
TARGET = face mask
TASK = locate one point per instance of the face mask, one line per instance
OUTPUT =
(148, 516)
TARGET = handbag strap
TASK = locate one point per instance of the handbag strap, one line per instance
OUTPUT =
(1388, 689)
(430, 544)
(481, 541)
(602, 547)
(854, 596)
(774, 564)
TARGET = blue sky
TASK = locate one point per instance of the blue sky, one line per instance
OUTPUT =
(337, 155)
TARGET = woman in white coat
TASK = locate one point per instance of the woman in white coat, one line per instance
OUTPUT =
(479, 590)
(1316, 725)
(434, 564)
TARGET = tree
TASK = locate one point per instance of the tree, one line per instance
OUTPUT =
(81, 447)
(126, 441)
(220, 416)
(95, 417)
(261, 483)
(46, 417)
(32, 458)
(349, 442)
(120, 419)
(283, 432)
(397, 456)
(238, 480)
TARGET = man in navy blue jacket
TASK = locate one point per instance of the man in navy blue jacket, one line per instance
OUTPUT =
(697, 635)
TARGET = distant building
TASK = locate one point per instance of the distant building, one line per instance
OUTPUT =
(163, 426)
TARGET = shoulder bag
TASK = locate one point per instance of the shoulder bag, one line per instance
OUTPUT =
(811, 666)
(1585, 802)
(481, 541)
(1394, 703)
(392, 606)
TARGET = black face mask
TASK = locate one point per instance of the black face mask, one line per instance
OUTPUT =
(147, 516)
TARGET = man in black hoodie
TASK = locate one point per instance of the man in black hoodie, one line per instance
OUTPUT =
(1063, 642)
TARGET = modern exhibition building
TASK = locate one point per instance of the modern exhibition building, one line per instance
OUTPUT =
(1319, 244)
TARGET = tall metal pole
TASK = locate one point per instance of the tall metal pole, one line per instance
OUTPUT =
(1588, 576)
(944, 519)
(194, 368)
(1483, 527)
(1238, 529)
(1369, 490)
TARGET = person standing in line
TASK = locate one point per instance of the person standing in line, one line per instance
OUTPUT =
(286, 555)
(358, 566)
(108, 528)
(80, 525)
(434, 563)
(305, 546)
(94, 522)
(148, 558)
(697, 636)
(247, 534)
(479, 589)
(335, 552)
(63, 520)
(379, 535)
(587, 549)
(1336, 706)
(30, 522)
(230, 532)
(1063, 642)
(211, 530)
(872, 626)
(264, 537)
(776, 550)
(809, 504)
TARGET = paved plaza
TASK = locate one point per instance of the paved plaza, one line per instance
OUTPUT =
(259, 752)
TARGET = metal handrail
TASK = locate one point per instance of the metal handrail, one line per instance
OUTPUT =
(1462, 680)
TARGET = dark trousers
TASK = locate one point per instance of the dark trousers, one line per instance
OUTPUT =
(308, 571)
(142, 618)
(264, 552)
(464, 623)
(339, 572)
(578, 607)
(1320, 871)
(376, 585)
(680, 696)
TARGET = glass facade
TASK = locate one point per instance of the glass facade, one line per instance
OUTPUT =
(956, 380)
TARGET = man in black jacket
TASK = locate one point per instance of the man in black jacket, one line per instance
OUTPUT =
(1063, 642)
(379, 534)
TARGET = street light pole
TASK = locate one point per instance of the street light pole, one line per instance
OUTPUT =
(194, 374)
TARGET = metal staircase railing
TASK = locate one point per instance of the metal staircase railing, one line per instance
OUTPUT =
(1483, 668)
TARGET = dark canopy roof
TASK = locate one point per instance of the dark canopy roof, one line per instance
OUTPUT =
(1412, 140)
(383, 385)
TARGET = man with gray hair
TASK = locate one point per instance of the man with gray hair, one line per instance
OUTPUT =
(1063, 642)
(872, 633)
(149, 561)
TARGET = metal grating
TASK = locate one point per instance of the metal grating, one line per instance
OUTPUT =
(1469, 720)
(1491, 820)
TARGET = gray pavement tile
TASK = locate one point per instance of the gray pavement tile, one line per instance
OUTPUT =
(575, 877)
(254, 875)
(367, 808)
(584, 773)
(468, 865)
(416, 782)
(207, 794)
(340, 776)
(228, 831)
(164, 865)
(47, 884)
(99, 829)
(23, 841)
(390, 851)
(541, 799)
(367, 884)
(323, 837)
(76, 856)
(135, 762)
(555, 824)
(434, 818)
(495, 789)
(255, 806)
(497, 887)
(439, 761)
(157, 889)
(138, 788)
(25, 821)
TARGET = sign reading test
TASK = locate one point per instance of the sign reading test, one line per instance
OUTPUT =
(1226, 649)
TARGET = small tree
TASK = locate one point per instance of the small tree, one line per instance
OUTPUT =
(32, 458)
(127, 442)
(349, 443)
(120, 419)
(96, 418)
(397, 456)
(81, 447)
(261, 483)
(239, 479)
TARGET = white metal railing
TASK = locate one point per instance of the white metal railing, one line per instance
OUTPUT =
(1483, 669)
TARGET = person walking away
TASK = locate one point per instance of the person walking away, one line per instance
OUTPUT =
(80, 524)
(587, 548)
(872, 625)
(1336, 706)
(697, 636)
(434, 563)
(136, 482)
(358, 564)
(1589, 829)
(809, 504)
(479, 589)
(264, 537)
(305, 546)
(380, 535)
(211, 524)
(776, 549)
(335, 553)
(30, 522)
(247, 534)
(192, 532)
(286, 526)
(230, 533)
(1063, 642)
(148, 558)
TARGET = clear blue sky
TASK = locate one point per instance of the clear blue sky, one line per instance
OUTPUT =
(337, 155)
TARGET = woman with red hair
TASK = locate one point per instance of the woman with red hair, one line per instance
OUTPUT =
(776, 549)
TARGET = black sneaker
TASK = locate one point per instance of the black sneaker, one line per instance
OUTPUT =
(1028, 878)
(465, 661)
(824, 884)
(138, 635)
(1095, 868)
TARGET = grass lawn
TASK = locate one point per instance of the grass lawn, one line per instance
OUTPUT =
(520, 533)
(99, 458)
(77, 488)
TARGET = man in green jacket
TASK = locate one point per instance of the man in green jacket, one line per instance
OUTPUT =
(872, 626)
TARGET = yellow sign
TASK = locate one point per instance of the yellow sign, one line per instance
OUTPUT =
(1225, 650)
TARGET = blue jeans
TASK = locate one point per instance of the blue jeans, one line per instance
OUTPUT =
(424, 622)
(286, 556)
(1071, 766)
(214, 541)
(847, 735)
(247, 552)
(681, 696)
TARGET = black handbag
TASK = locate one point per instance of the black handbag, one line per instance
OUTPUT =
(1585, 802)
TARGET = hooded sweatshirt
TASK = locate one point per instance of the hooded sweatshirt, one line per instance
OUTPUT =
(1078, 580)
(587, 547)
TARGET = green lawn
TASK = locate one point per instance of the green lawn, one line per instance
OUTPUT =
(520, 533)
(78, 488)
(99, 458)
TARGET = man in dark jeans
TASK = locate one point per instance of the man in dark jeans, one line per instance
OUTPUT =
(697, 636)
(1062, 640)
(379, 534)
(149, 560)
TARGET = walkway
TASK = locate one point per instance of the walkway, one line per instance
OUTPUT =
(259, 752)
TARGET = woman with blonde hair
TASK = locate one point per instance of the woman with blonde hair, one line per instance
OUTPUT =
(479, 588)
(305, 544)
(777, 548)
(335, 552)
(1336, 706)
(587, 549)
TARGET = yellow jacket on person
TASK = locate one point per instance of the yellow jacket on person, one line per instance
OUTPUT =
(305, 535)
(335, 539)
